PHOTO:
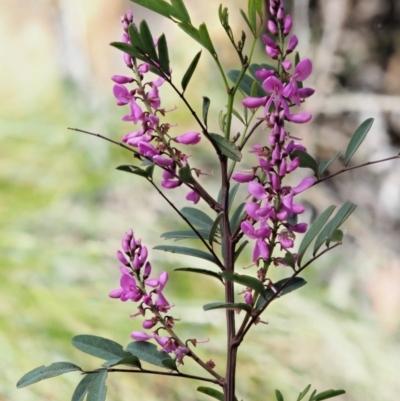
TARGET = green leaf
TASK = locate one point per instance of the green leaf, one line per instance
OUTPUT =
(158, 6)
(185, 234)
(289, 259)
(163, 55)
(232, 194)
(357, 139)
(243, 14)
(170, 364)
(45, 372)
(134, 170)
(100, 347)
(189, 72)
(279, 395)
(191, 31)
(83, 386)
(303, 393)
(337, 236)
(197, 217)
(127, 48)
(324, 164)
(312, 395)
(206, 106)
(327, 394)
(200, 271)
(246, 83)
(186, 251)
(227, 305)
(180, 9)
(252, 13)
(306, 160)
(214, 228)
(313, 231)
(269, 67)
(185, 174)
(343, 213)
(259, 4)
(130, 360)
(149, 171)
(245, 280)
(205, 38)
(148, 352)
(238, 116)
(240, 249)
(97, 390)
(226, 147)
(147, 40)
(237, 217)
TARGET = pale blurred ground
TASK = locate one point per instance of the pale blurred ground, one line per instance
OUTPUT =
(63, 206)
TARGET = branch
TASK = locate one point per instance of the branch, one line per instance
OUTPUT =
(251, 132)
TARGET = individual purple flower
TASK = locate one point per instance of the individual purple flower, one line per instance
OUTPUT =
(121, 79)
(190, 138)
(301, 72)
(242, 177)
(272, 27)
(122, 94)
(293, 41)
(193, 196)
(141, 336)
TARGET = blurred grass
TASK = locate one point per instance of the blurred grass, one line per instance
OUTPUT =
(63, 209)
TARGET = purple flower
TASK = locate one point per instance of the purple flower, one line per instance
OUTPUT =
(242, 177)
(193, 196)
(301, 72)
(122, 94)
(190, 138)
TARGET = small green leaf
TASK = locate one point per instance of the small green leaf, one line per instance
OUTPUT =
(128, 360)
(158, 6)
(200, 271)
(163, 55)
(337, 236)
(136, 40)
(238, 116)
(327, 394)
(232, 194)
(313, 231)
(214, 228)
(45, 372)
(279, 395)
(149, 171)
(180, 9)
(227, 305)
(342, 214)
(312, 395)
(148, 41)
(185, 174)
(289, 259)
(246, 83)
(191, 31)
(324, 164)
(189, 72)
(97, 390)
(206, 106)
(205, 38)
(148, 352)
(252, 13)
(134, 170)
(83, 386)
(245, 280)
(306, 160)
(197, 217)
(240, 249)
(243, 14)
(99, 347)
(357, 139)
(186, 251)
(226, 147)
(259, 4)
(170, 364)
(185, 234)
(303, 393)
(237, 217)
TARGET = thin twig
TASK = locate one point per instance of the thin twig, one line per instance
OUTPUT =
(251, 132)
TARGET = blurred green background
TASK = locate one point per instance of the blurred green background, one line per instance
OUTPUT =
(64, 207)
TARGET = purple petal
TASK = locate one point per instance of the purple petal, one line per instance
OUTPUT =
(190, 138)
(257, 190)
(270, 42)
(193, 196)
(303, 70)
(264, 74)
(299, 118)
(272, 84)
(140, 336)
(254, 102)
(242, 177)
(293, 41)
(305, 184)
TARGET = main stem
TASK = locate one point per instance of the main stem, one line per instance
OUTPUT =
(228, 250)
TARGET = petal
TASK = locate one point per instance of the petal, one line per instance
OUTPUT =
(272, 84)
(257, 190)
(305, 184)
(303, 70)
(242, 177)
(299, 118)
(254, 102)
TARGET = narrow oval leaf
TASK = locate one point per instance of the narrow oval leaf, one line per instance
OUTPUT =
(185, 174)
(98, 346)
(133, 170)
(214, 228)
(163, 55)
(185, 234)
(45, 372)
(130, 360)
(197, 217)
(227, 305)
(243, 14)
(279, 395)
(327, 394)
(232, 194)
(246, 83)
(200, 271)
(189, 72)
(312, 395)
(303, 393)
(97, 390)
(180, 9)
(206, 39)
(342, 214)
(313, 231)
(212, 393)
(324, 164)
(186, 251)
(247, 281)
(136, 40)
(191, 31)
(240, 249)
(226, 147)
(148, 352)
(238, 116)
(337, 236)
(237, 217)
(306, 160)
(170, 364)
(135, 53)
(83, 386)
(147, 40)
(206, 106)
(158, 6)
(357, 139)
(252, 13)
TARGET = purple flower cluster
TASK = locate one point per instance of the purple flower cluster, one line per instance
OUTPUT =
(272, 211)
(152, 139)
(137, 285)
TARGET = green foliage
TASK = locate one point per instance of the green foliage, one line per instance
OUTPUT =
(324, 164)
(245, 280)
(306, 160)
(185, 234)
(97, 389)
(199, 271)
(147, 172)
(185, 174)
(189, 72)
(187, 251)
(279, 395)
(246, 83)
(205, 108)
(357, 139)
(211, 392)
(214, 228)
(197, 218)
(237, 216)
(226, 147)
(149, 353)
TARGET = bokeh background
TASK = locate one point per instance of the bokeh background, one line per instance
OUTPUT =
(64, 207)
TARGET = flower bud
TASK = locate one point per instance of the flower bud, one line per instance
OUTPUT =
(293, 41)
(272, 27)
(242, 177)
(287, 26)
(122, 259)
(193, 196)
(121, 79)
(190, 138)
